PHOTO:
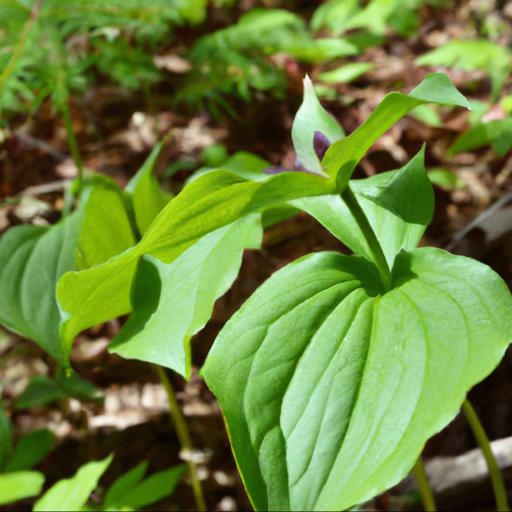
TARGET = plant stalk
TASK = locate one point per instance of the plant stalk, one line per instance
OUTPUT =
(73, 144)
(495, 475)
(427, 496)
(373, 244)
(183, 434)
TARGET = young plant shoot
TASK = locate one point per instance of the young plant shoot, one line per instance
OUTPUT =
(338, 369)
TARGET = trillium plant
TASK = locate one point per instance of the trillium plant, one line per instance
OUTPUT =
(338, 369)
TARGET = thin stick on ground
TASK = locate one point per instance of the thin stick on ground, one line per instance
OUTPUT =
(183, 434)
(495, 475)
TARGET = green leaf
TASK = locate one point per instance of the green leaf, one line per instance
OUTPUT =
(147, 196)
(444, 178)
(32, 259)
(124, 484)
(242, 163)
(398, 204)
(427, 115)
(208, 203)
(30, 450)
(214, 155)
(470, 55)
(5, 437)
(72, 493)
(41, 390)
(317, 51)
(152, 489)
(172, 302)
(73, 385)
(346, 73)
(310, 118)
(497, 133)
(343, 156)
(330, 388)
(106, 229)
(333, 15)
(20, 485)
(251, 167)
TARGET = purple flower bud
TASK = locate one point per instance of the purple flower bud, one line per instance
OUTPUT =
(320, 144)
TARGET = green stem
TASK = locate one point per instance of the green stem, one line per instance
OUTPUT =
(73, 144)
(495, 475)
(373, 244)
(18, 51)
(427, 496)
(183, 436)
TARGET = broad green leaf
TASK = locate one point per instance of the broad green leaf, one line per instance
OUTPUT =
(346, 73)
(343, 156)
(5, 437)
(20, 485)
(147, 196)
(125, 483)
(310, 118)
(30, 450)
(209, 203)
(152, 489)
(72, 493)
(330, 388)
(41, 390)
(32, 259)
(398, 204)
(173, 301)
(251, 167)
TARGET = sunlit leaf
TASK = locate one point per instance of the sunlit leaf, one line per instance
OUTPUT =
(173, 301)
(343, 156)
(152, 489)
(72, 493)
(398, 204)
(20, 485)
(147, 196)
(209, 203)
(330, 387)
